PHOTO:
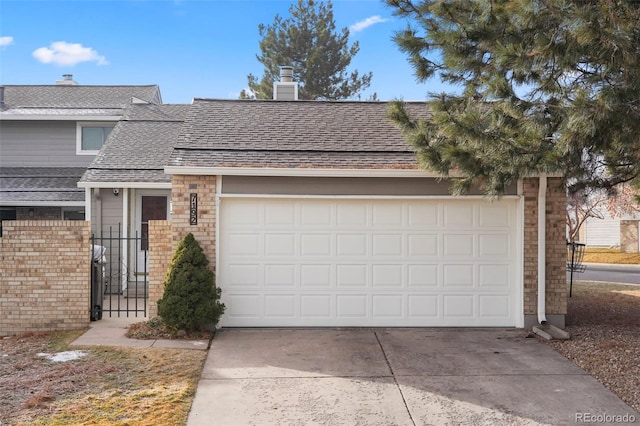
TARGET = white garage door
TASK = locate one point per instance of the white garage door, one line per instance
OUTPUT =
(346, 262)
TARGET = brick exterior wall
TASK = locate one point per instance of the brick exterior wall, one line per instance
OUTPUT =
(160, 253)
(629, 234)
(45, 270)
(164, 236)
(205, 231)
(556, 250)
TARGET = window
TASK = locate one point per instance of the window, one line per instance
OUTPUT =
(72, 213)
(6, 213)
(91, 137)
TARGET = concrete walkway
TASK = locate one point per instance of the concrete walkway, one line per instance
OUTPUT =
(395, 377)
(111, 332)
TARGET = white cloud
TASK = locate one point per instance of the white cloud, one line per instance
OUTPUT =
(6, 41)
(63, 53)
(372, 20)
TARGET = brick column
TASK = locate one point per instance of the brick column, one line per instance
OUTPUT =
(556, 252)
(161, 249)
(205, 230)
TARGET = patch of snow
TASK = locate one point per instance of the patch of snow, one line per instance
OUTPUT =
(64, 356)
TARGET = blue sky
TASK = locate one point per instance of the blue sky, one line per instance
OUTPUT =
(190, 48)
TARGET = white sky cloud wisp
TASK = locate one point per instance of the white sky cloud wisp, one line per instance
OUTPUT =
(6, 41)
(63, 53)
(366, 23)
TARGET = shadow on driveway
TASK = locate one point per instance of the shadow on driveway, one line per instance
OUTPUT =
(393, 377)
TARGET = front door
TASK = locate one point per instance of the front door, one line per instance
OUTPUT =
(152, 207)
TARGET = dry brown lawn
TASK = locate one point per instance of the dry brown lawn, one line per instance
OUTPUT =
(610, 255)
(604, 323)
(108, 386)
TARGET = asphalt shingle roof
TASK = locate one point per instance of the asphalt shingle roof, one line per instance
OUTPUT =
(293, 134)
(139, 146)
(80, 96)
(33, 184)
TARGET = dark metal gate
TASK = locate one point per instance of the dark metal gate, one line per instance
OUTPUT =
(119, 275)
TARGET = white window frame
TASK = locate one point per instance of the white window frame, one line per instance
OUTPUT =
(80, 126)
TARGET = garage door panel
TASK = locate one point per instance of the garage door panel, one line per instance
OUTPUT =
(422, 245)
(423, 216)
(495, 216)
(244, 213)
(280, 305)
(458, 245)
(387, 275)
(423, 275)
(243, 244)
(351, 306)
(315, 244)
(351, 275)
(243, 306)
(279, 244)
(388, 305)
(459, 215)
(315, 275)
(458, 275)
(494, 276)
(301, 262)
(493, 306)
(243, 274)
(352, 244)
(494, 245)
(318, 306)
(387, 215)
(280, 275)
(279, 214)
(316, 214)
(387, 245)
(458, 305)
(423, 306)
(351, 214)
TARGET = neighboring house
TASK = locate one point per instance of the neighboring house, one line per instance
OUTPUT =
(611, 232)
(48, 136)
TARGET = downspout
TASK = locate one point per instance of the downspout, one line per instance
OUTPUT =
(125, 235)
(542, 248)
(87, 203)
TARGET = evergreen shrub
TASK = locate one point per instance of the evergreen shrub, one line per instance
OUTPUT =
(191, 300)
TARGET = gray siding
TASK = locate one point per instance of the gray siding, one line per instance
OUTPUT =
(40, 144)
(111, 210)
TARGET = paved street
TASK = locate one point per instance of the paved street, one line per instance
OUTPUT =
(628, 274)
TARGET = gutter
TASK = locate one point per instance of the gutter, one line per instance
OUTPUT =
(542, 249)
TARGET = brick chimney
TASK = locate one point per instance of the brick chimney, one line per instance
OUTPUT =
(286, 89)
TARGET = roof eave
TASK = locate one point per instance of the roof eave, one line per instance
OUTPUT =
(307, 171)
(46, 117)
(128, 184)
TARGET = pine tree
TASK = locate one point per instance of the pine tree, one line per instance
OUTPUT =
(191, 298)
(319, 55)
(546, 86)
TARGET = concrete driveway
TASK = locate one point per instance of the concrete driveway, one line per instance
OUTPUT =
(394, 377)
